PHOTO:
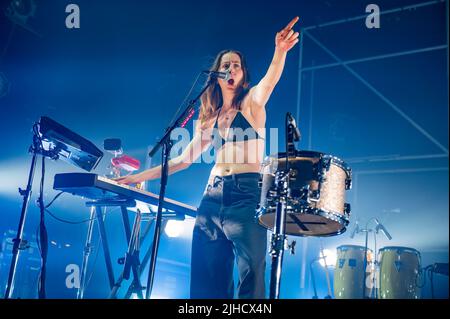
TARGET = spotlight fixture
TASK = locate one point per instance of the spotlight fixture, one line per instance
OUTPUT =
(20, 11)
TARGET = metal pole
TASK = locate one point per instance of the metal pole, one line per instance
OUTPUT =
(278, 237)
(384, 12)
(300, 75)
(313, 279)
(106, 253)
(18, 240)
(157, 233)
(311, 101)
(365, 264)
(87, 252)
(380, 95)
(327, 275)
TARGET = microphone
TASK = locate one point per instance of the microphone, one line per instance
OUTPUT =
(218, 75)
(355, 231)
(381, 228)
(296, 132)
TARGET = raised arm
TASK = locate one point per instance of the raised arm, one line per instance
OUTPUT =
(284, 41)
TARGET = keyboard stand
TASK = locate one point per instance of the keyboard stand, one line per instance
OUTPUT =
(131, 260)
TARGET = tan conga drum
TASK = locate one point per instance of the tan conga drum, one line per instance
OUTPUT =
(399, 271)
(351, 280)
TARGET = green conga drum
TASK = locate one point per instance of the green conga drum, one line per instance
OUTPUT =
(399, 271)
(350, 277)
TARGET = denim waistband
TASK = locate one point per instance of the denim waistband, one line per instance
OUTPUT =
(233, 177)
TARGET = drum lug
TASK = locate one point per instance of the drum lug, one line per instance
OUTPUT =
(348, 183)
(321, 176)
(326, 163)
(273, 193)
(292, 175)
(291, 247)
(347, 209)
(314, 195)
(278, 243)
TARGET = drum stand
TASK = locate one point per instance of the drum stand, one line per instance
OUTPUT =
(278, 242)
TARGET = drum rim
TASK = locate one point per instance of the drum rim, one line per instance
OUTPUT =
(339, 163)
(334, 217)
(354, 246)
(319, 155)
(266, 161)
(297, 152)
(402, 248)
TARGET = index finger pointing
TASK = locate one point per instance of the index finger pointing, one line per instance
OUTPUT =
(292, 23)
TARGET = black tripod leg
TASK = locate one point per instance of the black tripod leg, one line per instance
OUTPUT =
(126, 223)
(87, 252)
(105, 245)
(115, 289)
(132, 256)
(18, 240)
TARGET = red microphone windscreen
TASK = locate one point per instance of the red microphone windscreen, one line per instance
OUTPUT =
(126, 162)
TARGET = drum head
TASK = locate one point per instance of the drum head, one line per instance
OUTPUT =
(316, 194)
(315, 223)
(277, 162)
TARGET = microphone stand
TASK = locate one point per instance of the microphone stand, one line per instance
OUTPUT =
(279, 241)
(166, 143)
(366, 230)
(374, 278)
(312, 277)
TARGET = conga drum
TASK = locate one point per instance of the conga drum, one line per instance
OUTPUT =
(399, 271)
(351, 280)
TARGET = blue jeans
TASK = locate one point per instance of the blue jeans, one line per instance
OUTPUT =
(225, 229)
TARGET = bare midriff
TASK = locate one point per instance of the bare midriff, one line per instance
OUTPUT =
(239, 157)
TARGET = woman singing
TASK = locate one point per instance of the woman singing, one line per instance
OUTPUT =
(232, 119)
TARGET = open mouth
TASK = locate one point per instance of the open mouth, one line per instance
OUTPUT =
(230, 81)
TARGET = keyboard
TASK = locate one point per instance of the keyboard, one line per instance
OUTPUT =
(96, 187)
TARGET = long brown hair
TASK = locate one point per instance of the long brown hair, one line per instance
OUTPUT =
(211, 100)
